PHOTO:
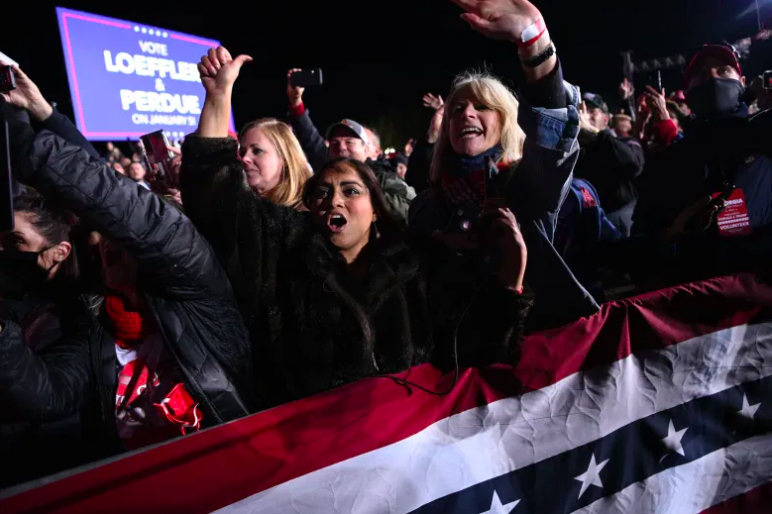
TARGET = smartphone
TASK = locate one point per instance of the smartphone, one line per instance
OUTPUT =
(306, 78)
(655, 80)
(7, 79)
(155, 146)
(6, 194)
(766, 81)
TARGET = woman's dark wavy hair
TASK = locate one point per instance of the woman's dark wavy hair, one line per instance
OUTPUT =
(54, 225)
(386, 224)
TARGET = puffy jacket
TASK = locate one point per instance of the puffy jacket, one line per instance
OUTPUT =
(312, 325)
(398, 194)
(186, 289)
(45, 376)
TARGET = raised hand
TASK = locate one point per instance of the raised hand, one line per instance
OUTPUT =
(585, 123)
(657, 104)
(218, 73)
(409, 147)
(295, 94)
(27, 95)
(219, 70)
(433, 102)
(626, 89)
(499, 19)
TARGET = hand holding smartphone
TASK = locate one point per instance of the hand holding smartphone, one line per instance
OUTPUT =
(306, 78)
(156, 147)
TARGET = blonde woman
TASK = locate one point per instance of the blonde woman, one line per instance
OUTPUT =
(522, 153)
(275, 165)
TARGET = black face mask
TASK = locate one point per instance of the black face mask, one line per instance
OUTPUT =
(20, 273)
(715, 98)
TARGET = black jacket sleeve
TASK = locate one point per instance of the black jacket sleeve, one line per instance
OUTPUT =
(548, 92)
(419, 164)
(174, 258)
(49, 383)
(623, 157)
(61, 125)
(310, 140)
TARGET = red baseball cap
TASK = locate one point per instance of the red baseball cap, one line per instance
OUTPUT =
(721, 52)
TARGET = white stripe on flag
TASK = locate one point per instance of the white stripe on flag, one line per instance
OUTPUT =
(486, 442)
(697, 485)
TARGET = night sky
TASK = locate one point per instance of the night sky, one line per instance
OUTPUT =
(378, 58)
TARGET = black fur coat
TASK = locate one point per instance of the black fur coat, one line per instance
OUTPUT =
(314, 327)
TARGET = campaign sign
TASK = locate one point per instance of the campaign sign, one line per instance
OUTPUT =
(128, 79)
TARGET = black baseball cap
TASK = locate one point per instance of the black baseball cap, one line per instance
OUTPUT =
(595, 101)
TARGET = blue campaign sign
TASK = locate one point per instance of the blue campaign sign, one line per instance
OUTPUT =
(128, 79)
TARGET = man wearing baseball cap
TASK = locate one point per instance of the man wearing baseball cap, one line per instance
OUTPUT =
(714, 82)
(609, 162)
(346, 138)
(723, 151)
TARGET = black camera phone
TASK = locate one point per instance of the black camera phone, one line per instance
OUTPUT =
(7, 79)
(155, 146)
(766, 80)
(6, 193)
(655, 80)
(306, 78)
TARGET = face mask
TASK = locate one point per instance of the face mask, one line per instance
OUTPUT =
(715, 98)
(20, 273)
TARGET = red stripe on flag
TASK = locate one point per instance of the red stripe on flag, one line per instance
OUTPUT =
(217, 467)
(755, 501)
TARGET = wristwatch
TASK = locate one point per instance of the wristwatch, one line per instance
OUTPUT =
(541, 58)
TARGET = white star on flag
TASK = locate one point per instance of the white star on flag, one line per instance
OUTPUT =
(673, 440)
(748, 411)
(498, 508)
(592, 475)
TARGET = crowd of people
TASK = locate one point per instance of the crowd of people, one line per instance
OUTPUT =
(282, 261)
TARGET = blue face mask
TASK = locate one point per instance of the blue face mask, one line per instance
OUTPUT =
(20, 272)
(716, 98)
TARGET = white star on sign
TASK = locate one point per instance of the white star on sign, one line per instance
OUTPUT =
(748, 411)
(673, 440)
(498, 508)
(592, 475)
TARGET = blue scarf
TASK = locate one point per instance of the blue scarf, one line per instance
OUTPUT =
(464, 182)
(465, 166)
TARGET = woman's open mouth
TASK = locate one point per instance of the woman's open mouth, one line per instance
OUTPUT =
(470, 133)
(336, 222)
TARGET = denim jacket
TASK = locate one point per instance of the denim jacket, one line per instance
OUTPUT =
(537, 188)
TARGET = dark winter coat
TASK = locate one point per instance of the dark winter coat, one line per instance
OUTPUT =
(612, 164)
(736, 150)
(44, 379)
(185, 288)
(312, 325)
